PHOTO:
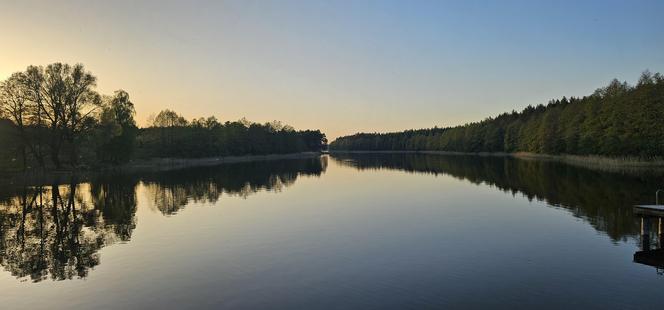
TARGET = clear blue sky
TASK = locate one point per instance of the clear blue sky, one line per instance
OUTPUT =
(341, 66)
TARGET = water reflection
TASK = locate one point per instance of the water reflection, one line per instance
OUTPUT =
(603, 199)
(170, 191)
(56, 230)
(652, 228)
(52, 231)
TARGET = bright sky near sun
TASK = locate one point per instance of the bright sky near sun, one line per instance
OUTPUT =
(340, 66)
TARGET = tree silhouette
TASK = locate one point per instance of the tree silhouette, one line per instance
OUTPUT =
(116, 132)
(54, 112)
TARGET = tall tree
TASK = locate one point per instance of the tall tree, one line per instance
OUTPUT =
(15, 106)
(117, 129)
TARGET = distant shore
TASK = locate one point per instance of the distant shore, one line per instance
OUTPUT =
(588, 161)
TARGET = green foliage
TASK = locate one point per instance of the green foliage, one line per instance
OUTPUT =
(615, 120)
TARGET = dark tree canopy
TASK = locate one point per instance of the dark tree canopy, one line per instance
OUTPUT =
(172, 136)
(116, 129)
(51, 117)
(52, 108)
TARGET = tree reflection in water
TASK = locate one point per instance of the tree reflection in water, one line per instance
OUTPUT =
(170, 191)
(603, 199)
(52, 231)
(56, 231)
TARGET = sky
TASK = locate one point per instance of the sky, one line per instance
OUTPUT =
(340, 66)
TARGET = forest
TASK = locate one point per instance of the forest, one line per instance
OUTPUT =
(53, 118)
(616, 120)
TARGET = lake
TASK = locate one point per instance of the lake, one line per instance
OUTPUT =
(362, 231)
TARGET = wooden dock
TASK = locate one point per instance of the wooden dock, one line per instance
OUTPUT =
(649, 210)
(651, 215)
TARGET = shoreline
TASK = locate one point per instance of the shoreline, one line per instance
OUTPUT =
(607, 163)
(160, 164)
(141, 166)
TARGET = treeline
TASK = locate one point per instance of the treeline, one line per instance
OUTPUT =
(52, 117)
(616, 120)
(170, 135)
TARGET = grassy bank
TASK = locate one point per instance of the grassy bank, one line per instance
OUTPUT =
(600, 162)
(618, 164)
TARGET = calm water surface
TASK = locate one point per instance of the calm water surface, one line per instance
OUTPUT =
(339, 232)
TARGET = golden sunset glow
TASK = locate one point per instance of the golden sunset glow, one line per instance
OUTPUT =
(384, 68)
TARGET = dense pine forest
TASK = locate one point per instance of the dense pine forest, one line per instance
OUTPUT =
(616, 120)
(51, 117)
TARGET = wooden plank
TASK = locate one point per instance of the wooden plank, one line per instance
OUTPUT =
(649, 210)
